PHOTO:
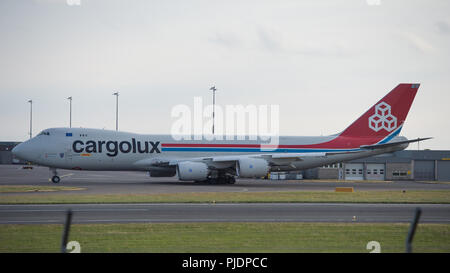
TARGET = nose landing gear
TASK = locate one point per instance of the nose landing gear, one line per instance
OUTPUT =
(55, 178)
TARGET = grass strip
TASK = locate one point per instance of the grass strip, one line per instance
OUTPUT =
(30, 188)
(412, 197)
(225, 237)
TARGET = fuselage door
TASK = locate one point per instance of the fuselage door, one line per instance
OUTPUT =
(68, 156)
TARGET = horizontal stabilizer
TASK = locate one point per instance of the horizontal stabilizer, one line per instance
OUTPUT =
(391, 144)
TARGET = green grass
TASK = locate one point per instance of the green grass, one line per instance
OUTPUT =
(440, 196)
(225, 237)
(29, 188)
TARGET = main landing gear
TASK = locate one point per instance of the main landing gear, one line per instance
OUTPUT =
(55, 178)
(221, 180)
(229, 179)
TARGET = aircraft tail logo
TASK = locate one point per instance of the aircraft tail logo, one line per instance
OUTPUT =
(383, 118)
(386, 115)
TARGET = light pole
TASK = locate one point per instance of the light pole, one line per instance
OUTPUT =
(70, 116)
(214, 89)
(117, 110)
(31, 118)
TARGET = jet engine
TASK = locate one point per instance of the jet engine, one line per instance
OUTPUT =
(252, 167)
(196, 171)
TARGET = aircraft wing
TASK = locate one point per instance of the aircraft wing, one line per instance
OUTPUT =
(225, 161)
(292, 156)
(210, 160)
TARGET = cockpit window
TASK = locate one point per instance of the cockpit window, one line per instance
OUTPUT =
(45, 133)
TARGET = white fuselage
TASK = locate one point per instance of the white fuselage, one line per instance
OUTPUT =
(95, 149)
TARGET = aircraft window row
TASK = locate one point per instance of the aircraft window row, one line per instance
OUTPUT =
(43, 133)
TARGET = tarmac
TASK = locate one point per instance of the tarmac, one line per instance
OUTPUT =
(182, 213)
(110, 182)
(95, 182)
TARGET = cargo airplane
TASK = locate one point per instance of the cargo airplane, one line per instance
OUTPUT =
(375, 132)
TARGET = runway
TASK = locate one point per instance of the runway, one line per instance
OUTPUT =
(95, 182)
(178, 213)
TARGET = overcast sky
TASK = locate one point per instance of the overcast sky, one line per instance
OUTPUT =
(323, 62)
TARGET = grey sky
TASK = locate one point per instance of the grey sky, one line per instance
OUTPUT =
(323, 62)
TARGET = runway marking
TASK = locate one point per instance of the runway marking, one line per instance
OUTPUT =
(74, 210)
(31, 221)
(340, 220)
(213, 220)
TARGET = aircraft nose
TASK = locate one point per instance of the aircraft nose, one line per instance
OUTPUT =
(18, 151)
(23, 151)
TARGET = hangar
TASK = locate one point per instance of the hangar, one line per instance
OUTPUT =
(427, 165)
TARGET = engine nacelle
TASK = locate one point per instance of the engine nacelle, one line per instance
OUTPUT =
(196, 171)
(252, 167)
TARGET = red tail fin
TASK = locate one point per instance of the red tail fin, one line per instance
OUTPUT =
(386, 116)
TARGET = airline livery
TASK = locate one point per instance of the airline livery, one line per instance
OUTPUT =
(220, 161)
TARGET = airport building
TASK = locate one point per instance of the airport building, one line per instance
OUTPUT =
(6, 156)
(424, 165)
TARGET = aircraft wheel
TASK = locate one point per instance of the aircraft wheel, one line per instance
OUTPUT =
(231, 180)
(56, 179)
